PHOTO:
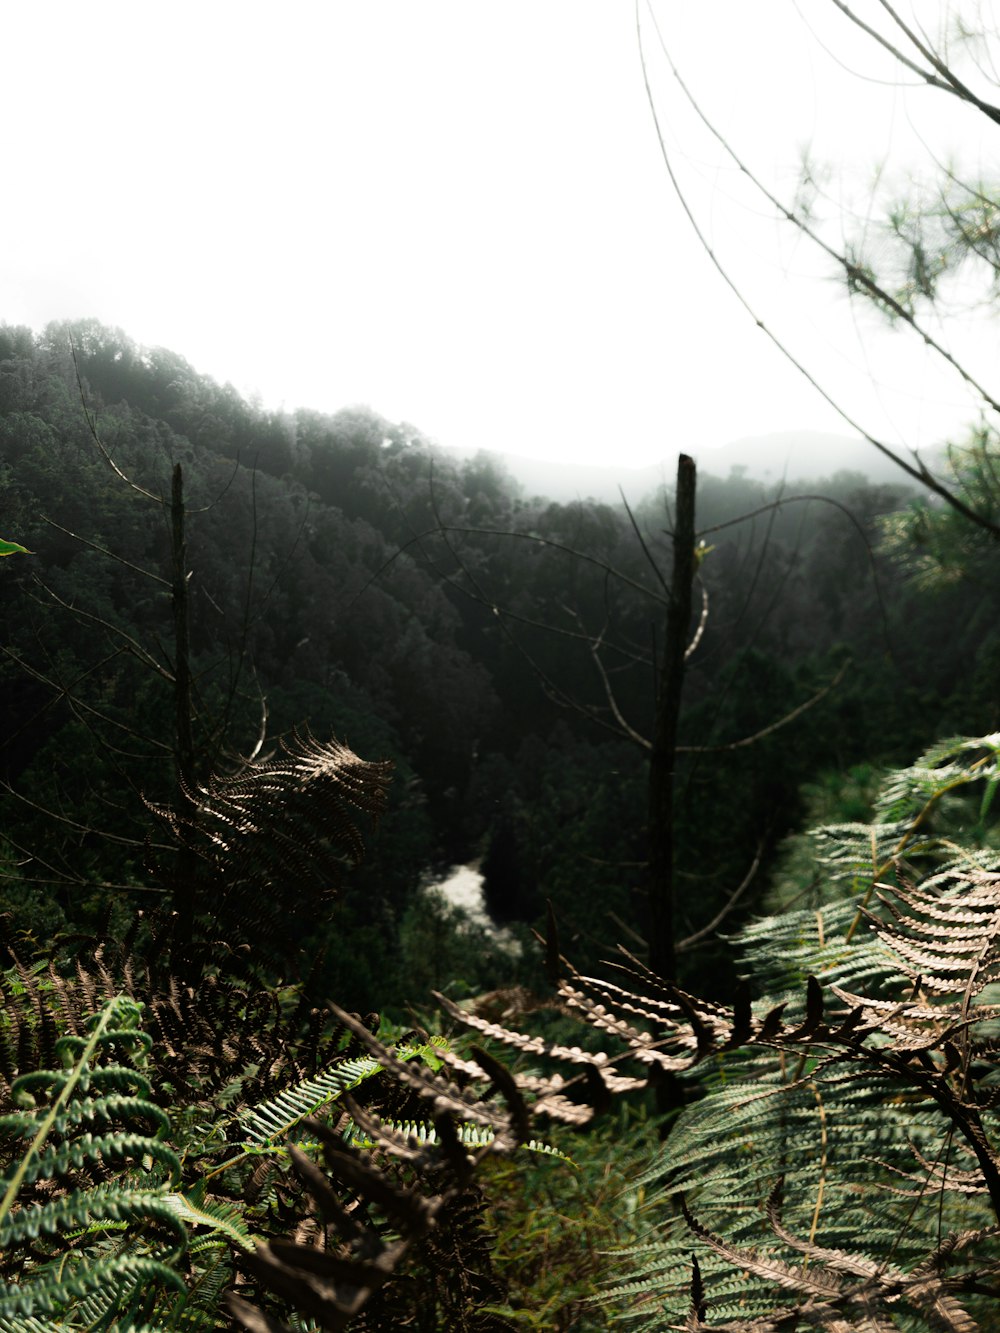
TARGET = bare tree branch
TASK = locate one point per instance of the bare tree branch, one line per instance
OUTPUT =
(62, 881)
(91, 421)
(513, 534)
(80, 709)
(629, 731)
(112, 555)
(75, 824)
(853, 272)
(129, 644)
(948, 81)
(917, 469)
(774, 726)
(626, 929)
(702, 620)
(642, 544)
(691, 940)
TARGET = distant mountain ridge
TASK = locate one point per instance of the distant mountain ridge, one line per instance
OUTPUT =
(797, 456)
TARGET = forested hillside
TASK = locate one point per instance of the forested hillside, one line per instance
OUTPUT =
(231, 623)
(344, 576)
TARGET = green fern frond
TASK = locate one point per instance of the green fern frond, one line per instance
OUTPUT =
(220, 1218)
(121, 1240)
(57, 1160)
(273, 1119)
(53, 1290)
(425, 1134)
(106, 1110)
(781, 951)
(85, 1212)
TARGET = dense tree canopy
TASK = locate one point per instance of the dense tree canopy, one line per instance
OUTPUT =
(347, 574)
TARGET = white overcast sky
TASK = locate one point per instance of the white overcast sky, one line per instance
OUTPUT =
(458, 212)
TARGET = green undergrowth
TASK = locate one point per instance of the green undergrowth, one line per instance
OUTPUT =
(558, 1229)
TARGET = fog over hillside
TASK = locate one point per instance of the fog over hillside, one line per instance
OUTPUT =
(796, 456)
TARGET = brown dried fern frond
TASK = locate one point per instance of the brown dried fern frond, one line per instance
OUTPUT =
(273, 841)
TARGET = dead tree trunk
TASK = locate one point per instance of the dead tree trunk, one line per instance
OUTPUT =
(185, 760)
(663, 755)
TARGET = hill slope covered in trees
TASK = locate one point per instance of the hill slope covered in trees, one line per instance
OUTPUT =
(346, 576)
(261, 673)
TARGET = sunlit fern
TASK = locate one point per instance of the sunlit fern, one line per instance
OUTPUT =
(837, 1166)
(883, 1141)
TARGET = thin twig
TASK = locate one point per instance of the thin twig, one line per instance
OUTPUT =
(702, 620)
(774, 726)
(918, 470)
(727, 907)
(112, 555)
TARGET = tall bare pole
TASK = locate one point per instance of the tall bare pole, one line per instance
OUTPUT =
(663, 756)
(185, 761)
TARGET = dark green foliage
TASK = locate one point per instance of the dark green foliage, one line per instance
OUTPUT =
(832, 1159)
(848, 1119)
(322, 584)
